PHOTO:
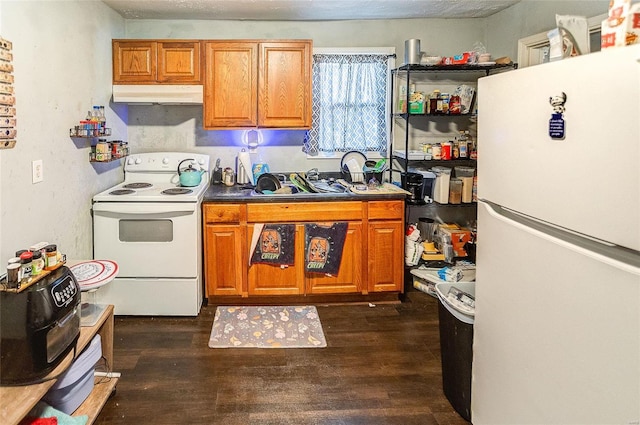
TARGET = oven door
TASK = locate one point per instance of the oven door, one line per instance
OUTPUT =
(148, 239)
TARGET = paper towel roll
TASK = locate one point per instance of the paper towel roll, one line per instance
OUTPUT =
(241, 175)
(245, 160)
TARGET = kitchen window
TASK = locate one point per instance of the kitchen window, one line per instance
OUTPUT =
(351, 92)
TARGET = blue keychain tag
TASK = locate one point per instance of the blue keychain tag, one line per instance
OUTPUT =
(556, 127)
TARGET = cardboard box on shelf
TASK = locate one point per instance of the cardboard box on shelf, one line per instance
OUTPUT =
(459, 238)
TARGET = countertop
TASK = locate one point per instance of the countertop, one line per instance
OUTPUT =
(219, 193)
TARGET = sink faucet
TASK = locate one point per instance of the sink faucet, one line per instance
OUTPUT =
(313, 174)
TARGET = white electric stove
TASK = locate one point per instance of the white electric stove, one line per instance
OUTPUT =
(151, 226)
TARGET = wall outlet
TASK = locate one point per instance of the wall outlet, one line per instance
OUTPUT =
(37, 173)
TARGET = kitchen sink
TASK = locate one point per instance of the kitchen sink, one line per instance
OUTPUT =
(323, 187)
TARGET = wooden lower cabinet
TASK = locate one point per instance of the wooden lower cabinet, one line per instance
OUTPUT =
(386, 243)
(372, 257)
(224, 260)
(268, 279)
(349, 278)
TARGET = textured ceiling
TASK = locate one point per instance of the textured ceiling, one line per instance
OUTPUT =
(306, 10)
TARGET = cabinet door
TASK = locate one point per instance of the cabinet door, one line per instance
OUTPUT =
(386, 256)
(134, 61)
(231, 84)
(224, 259)
(349, 277)
(284, 94)
(179, 62)
(269, 279)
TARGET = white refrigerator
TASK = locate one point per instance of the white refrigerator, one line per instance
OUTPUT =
(557, 319)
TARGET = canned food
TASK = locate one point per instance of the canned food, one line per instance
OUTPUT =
(446, 150)
(436, 151)
(103, 151)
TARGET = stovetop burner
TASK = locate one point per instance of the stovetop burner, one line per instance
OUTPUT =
(176, 191)
(139, 185)
(122, 192)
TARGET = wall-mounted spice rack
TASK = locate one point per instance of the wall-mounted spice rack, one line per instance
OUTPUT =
(94, 127)
(8, 130)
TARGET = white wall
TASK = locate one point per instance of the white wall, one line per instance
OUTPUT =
(530, 17)
(62, 66)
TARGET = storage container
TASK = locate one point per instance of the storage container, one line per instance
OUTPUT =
(455, 191)
(441, 187)
(466, 175)
(74, 386)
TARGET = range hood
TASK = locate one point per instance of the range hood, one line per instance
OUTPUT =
(158, 93)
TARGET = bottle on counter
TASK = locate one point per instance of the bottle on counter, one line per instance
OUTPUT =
(102, 121)
(37, 263)
(26, 265)
(51, 256)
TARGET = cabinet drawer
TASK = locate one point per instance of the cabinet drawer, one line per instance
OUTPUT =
(223, 213)
(309, 211)
(386, 210)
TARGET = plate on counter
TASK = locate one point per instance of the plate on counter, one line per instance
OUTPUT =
(94, 273)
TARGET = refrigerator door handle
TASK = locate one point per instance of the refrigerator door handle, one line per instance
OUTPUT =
(616, 256)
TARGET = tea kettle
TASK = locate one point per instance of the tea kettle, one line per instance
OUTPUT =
(190, 176)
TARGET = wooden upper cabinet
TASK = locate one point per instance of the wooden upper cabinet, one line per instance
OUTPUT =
(156, 61)
(179, 62)
(253, 83)
(134, 61)
(231, 84)
(284, 86)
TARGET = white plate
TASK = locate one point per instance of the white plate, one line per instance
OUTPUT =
(486, 63)
(95, 273)
(87, 270)
(358, 157)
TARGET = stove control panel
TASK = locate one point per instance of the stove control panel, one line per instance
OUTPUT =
(162, 161)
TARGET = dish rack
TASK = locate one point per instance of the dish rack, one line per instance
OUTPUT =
(355, 168)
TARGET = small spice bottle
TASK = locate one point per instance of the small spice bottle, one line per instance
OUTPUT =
(51, 254)
(26, 265)
(13, 275)
(37, 263)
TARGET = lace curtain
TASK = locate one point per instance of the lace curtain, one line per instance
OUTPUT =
(349, 104)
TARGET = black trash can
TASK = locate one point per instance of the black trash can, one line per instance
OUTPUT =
(456, 347)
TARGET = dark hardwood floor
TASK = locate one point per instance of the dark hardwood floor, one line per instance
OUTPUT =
(381, 366)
